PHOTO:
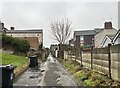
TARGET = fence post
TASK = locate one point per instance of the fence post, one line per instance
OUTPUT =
(75, 54)
(109, 60)
(91, 57)
(81, 56)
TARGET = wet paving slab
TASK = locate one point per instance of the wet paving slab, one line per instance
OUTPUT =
(31, 77)
(56, 75)
(48, 74)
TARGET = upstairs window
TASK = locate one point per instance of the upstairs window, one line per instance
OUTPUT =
(81, 38)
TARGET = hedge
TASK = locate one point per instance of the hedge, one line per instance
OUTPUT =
(19, 45)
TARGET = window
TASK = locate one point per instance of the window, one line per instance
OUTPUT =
(81, 41)
(81, 38)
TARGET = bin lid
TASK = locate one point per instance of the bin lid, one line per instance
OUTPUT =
(8, 67)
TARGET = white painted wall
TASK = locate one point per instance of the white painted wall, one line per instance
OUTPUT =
(106, 42)
(56, 53)
(100, 36)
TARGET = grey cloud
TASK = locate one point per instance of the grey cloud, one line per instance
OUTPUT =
(40, 14)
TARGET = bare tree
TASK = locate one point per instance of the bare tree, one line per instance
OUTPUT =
(61, 30)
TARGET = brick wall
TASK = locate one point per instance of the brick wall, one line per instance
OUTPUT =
(88, 40)
(33, 42)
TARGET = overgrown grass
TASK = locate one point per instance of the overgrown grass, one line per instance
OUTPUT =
(71, 66)
(86, 76)
(12, 59)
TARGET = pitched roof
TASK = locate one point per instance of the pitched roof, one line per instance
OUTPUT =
(25, 31)
(86, 32)
(3, 29)
(105, 29)
(97, 30)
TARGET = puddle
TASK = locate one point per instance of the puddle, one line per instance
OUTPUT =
(32, 77)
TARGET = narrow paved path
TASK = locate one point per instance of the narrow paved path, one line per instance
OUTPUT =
(49, 73)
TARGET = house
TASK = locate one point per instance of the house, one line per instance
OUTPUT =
(104, 34)
(54, 50)
(85, 38)
(116, 39)
(34, 36)
(111, 39)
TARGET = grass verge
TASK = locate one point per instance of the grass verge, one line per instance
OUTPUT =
(13, 59)
(88, 77)
(20, 61)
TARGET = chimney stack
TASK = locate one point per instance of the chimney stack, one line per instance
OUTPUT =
(12, 28)
(1, 25)
(108, 25)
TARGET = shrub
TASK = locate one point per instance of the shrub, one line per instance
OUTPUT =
(19, 45)
(6, 40)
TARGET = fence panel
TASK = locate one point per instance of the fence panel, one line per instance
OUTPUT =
(105, 60)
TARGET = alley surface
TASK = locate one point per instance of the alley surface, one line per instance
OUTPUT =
(49, 73)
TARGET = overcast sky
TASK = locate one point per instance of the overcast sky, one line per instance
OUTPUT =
(83, 15)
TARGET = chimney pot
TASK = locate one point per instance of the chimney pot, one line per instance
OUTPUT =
(12, 28)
